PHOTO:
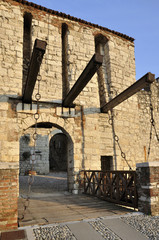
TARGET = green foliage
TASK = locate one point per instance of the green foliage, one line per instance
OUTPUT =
(26, 155)
(26, 139)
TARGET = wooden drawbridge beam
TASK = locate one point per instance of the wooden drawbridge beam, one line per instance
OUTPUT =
(143, 82)
(35, 62)
(86, 75)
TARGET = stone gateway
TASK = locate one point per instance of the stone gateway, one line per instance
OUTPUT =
(72, 138)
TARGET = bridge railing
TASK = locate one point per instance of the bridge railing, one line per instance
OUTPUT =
(114, 186)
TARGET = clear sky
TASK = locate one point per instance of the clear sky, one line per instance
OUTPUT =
(136, 18)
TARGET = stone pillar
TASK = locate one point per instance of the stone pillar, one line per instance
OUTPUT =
(148, 187)
(8, 198)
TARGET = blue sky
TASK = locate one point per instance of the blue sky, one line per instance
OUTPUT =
(136, 18)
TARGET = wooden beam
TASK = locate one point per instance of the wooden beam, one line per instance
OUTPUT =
(143, 82)
(35, 62)
(84, 78)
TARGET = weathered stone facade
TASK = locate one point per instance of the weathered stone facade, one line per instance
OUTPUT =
(89, 132)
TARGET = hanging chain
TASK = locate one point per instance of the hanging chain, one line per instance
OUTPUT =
(153, 126)
(35, 135)
(153, 122)
(111, 91)
(116, 139)
(149, 148)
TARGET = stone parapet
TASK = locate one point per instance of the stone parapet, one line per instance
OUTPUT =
(148, 187)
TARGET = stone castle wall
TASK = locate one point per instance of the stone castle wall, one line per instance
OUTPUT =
(149, 122)
(89, 131)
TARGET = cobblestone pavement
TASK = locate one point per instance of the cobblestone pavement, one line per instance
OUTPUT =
(134, 226)
(147, 225)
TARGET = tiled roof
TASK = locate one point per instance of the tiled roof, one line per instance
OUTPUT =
(60, 14)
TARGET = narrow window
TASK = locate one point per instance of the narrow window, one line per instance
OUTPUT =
(100, 42)
(65, 83)
(106, 163)
(26, 44)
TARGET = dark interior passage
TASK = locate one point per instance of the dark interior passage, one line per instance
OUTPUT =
(58, 152)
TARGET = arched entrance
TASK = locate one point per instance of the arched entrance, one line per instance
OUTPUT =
(54, 153)
(58, 152)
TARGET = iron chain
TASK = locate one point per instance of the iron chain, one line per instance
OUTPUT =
(33, 155)
(36, 116)
(153, 126)
(116, 139)
(152, 120)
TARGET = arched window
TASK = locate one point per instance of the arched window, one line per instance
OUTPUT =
(100, 42)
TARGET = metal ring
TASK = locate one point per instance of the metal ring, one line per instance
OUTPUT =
(39, 77)
(38, 96)
(36, 116)
(110, 121)
(116, 138)
(152, 122)
(35, 136)
(123, 155)
(151, 107)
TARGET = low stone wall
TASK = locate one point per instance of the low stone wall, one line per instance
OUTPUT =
(148, 187)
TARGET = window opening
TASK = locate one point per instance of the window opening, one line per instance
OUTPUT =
(65, 82)
(106, 163)
(26, 45)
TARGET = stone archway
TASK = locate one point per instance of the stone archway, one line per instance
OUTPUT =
(59, 127)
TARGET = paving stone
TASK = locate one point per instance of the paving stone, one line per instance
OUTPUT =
(83, 231)
(122, 230)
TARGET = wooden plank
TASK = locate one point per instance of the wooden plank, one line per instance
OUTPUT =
(143, 82)
(35, 62)
(84, 78)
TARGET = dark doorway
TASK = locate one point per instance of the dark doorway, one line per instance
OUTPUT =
(58, 153)
(106, 163)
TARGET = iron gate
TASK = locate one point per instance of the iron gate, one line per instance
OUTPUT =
(114, 186)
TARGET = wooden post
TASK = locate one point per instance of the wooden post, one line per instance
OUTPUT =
(35, 62)
(143, 82)
(84, 78)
